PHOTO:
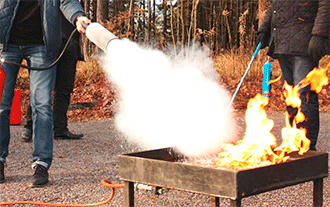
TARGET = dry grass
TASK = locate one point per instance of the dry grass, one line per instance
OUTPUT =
(87, 71)
(233, 64)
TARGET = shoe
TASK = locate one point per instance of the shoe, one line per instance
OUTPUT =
(27, 135)
(67, 135)
(2, 172)
(40, 177)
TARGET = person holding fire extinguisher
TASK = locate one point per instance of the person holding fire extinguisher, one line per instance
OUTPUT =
(297, 34)
(31, 30)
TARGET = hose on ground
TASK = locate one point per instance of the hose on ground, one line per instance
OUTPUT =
(105, 182)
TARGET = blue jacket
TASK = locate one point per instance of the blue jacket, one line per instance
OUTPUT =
(51, 21)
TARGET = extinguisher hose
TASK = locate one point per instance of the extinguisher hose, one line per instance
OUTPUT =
(2, 60)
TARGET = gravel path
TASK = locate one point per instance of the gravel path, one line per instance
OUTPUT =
(80, 165)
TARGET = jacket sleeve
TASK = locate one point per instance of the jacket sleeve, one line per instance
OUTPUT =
(71, 10)
(265, 26)
(321, 24)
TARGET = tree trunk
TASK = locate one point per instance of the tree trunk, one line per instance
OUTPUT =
(195, 20)
(87, 43)
(172, 28)
(116, 7)
(165, 18)
(149, 19)
(102, 11)
(131, 17)
(154, 18)
(183, 25)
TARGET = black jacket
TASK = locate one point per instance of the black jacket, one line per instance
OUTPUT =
(77, 41)
(291, 23)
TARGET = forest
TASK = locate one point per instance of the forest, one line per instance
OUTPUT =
(219, 24)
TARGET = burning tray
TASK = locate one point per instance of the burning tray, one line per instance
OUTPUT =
(161, 168)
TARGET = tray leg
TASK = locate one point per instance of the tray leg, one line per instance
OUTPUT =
(129, 194)
(318, 192)
(215, 201)
(235, 203)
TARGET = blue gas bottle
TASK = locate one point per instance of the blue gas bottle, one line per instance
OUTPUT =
(266, 77)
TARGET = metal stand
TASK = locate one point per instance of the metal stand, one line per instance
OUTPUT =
(317, 196)
(236, 203)
(318, 193)
(128, 194)
(215, 201)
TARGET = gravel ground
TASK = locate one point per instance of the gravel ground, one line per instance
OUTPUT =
(80, 165)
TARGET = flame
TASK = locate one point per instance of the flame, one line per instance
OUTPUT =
(291, 95)
(258, 146)
(294, 139)
(316, 79)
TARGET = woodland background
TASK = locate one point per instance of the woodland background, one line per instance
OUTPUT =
(227, 27)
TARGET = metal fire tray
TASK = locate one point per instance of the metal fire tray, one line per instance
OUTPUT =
(160, 168)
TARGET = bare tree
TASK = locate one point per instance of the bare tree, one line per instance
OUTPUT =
(131, 16)
(221, 24)
(172, 27)
(149, 19)
(102, 11)
(164, 18)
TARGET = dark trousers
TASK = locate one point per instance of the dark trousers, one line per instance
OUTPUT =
(294, 69)
(65, 76)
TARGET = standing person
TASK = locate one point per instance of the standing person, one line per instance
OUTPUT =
(297, 34)
(31, 30)
(64, 84)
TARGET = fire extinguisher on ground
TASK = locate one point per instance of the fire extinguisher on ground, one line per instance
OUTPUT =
(15, 115)
(2, 81)
(268, 66)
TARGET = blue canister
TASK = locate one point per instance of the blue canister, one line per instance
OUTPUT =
(266, 77)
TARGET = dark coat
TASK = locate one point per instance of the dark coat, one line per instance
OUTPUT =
(77, 38)
(291, 23)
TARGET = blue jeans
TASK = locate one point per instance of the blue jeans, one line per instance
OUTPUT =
(41, 86)
(65, 76)
(294, 69)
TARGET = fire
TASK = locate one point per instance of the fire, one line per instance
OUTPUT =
(294, 139)
(316, 78)
(258, 146)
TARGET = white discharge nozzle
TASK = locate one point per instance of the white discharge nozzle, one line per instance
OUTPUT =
(99, 35)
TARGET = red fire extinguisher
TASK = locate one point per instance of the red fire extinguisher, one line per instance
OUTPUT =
(2, 81)
(15, 114)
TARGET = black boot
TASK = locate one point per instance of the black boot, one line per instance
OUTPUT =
(40, 177)
(27, 135)
(67, 135)
(2, 173)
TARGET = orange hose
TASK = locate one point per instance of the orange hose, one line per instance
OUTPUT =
(105, 182)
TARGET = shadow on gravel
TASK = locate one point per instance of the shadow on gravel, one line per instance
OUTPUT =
(82, 105)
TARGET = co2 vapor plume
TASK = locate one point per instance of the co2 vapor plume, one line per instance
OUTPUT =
(168, 102)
